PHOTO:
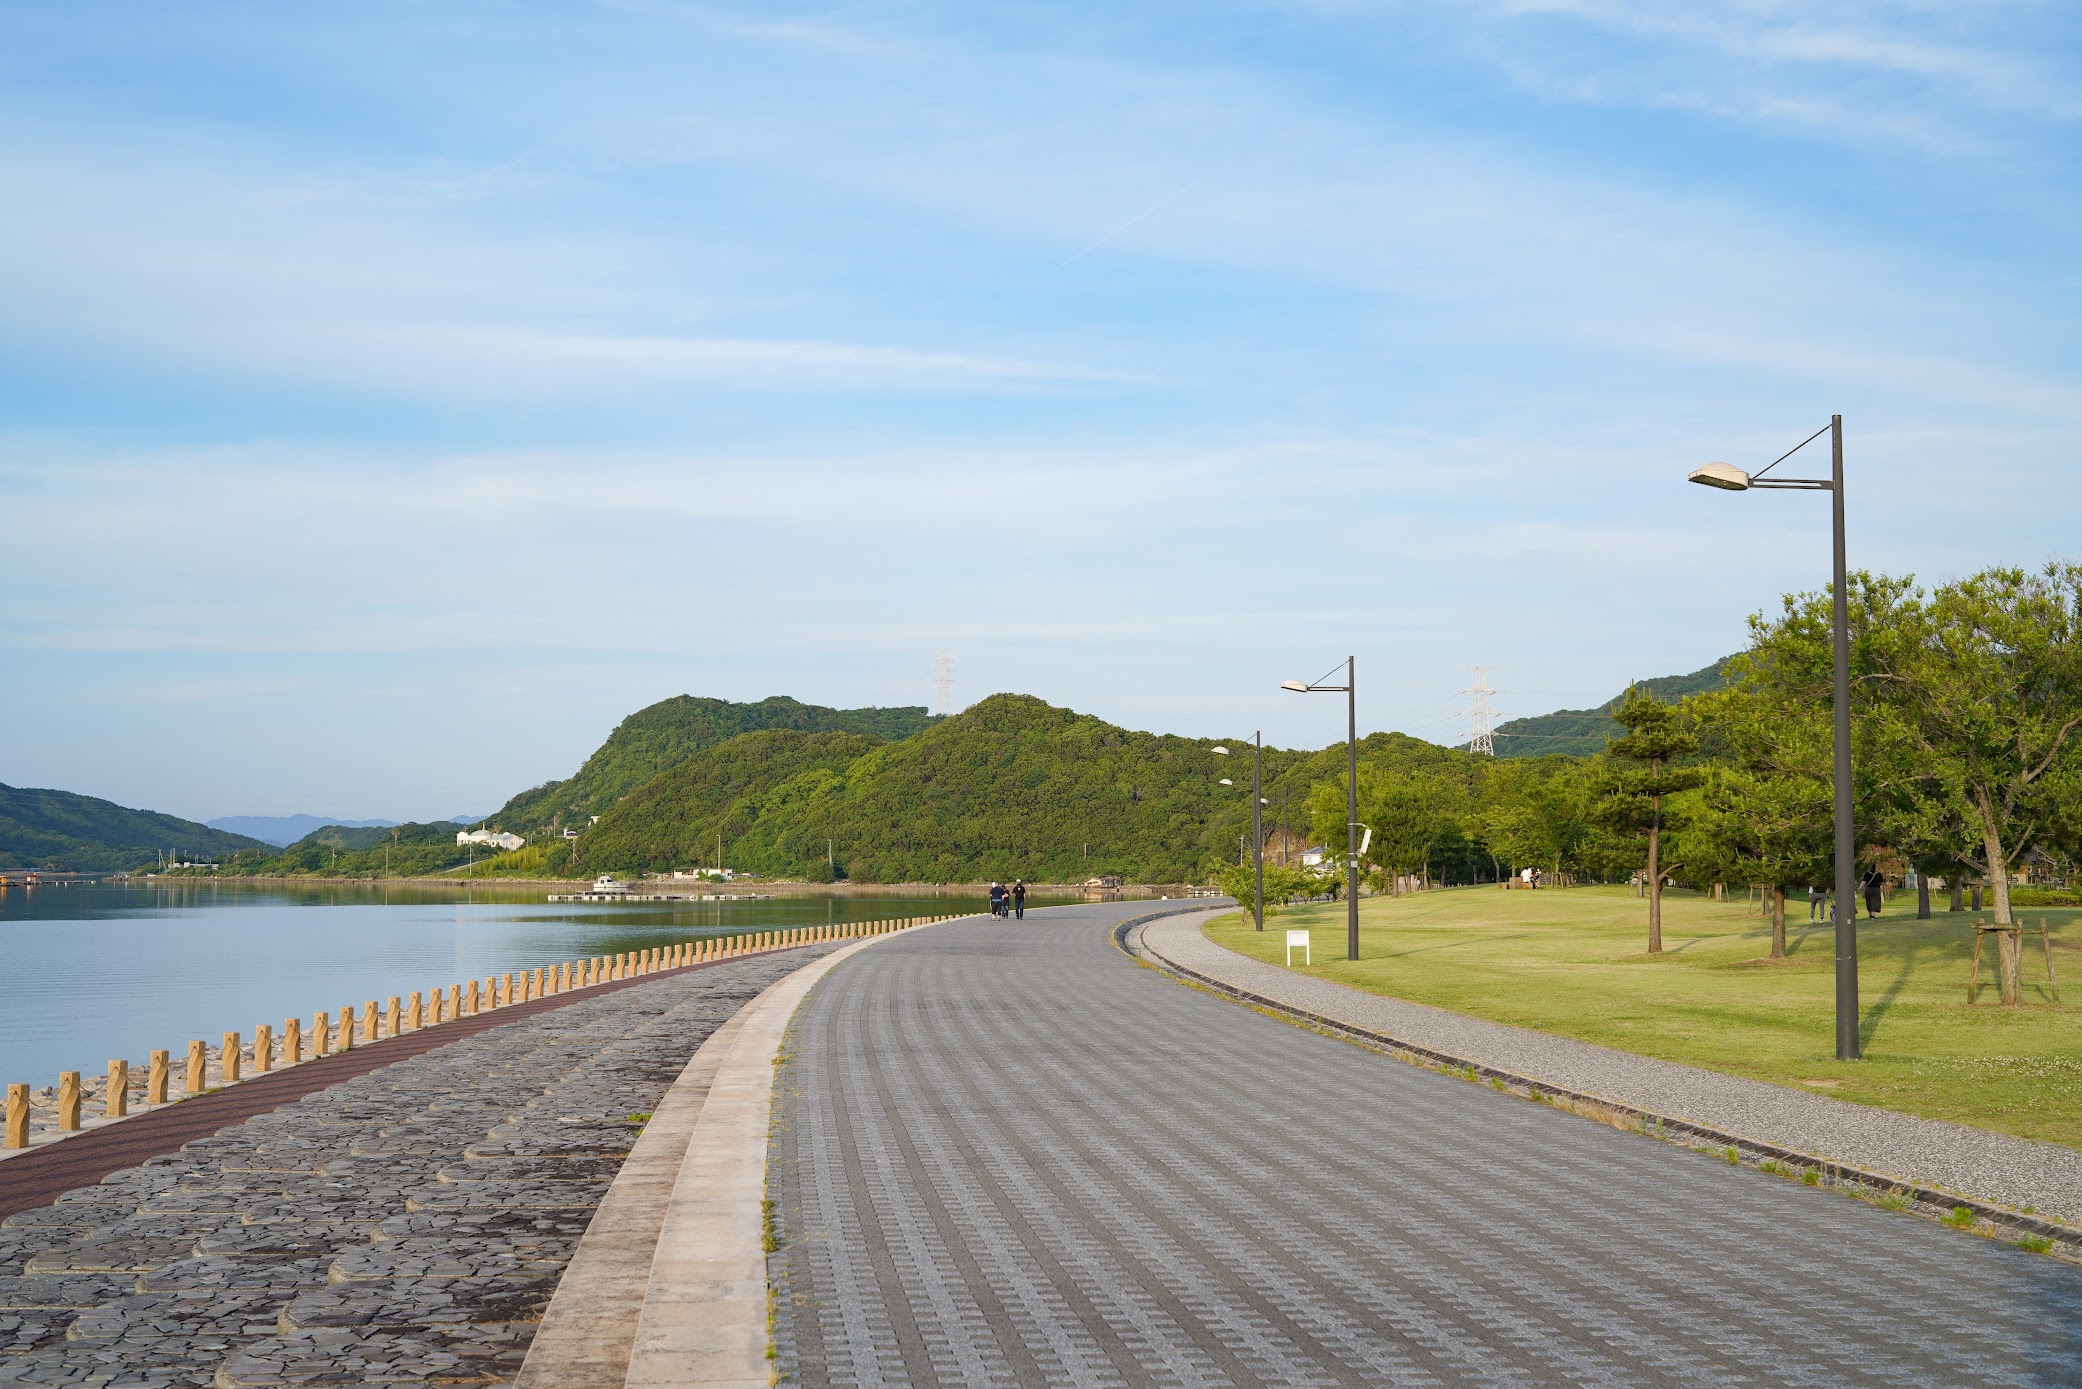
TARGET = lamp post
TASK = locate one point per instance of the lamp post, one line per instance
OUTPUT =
(1349, 691)
(1257, 828)
(1733, 479)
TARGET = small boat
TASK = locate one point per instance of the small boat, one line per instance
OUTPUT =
(607, 883)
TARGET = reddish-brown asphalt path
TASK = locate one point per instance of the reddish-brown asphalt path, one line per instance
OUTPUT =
(39, 1177)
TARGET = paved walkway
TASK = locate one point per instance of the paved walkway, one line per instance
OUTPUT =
(1008, 1154)
(1994, 1167)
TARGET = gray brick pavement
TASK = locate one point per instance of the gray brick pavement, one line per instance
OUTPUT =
(1006, 1154)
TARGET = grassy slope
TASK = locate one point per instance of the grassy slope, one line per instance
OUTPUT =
(1570, 962)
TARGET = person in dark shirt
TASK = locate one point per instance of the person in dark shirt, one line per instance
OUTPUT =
(997, 899)
(1019, 899)
(1875, 883)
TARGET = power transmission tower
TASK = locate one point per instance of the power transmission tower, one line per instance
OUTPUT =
(945, 705)
(1481, 715)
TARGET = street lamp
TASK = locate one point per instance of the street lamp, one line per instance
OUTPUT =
(1730, 478)
(1348, 690)
(1257, 828)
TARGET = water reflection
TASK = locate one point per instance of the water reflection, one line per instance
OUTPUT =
(99, 971)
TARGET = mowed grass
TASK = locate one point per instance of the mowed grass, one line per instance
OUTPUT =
(1573, 962)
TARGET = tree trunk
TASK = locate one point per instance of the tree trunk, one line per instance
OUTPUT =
(1977, 896)
(1655, 890)
(2009, 950)
(1778, 923)
(1922, 895)
(1958, 893)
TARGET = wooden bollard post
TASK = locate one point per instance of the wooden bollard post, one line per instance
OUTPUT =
(263, 1048)
(197, 1063)
(155, 1077)
(346, 1033)
(320, 1035)
(455, 1000)
(371, 1021)
(511, 998)
(115, 1101)
(471, 1008)
(394, 1017)
(17, 1116)
(292, 1041)
(416, 1013)
(539, 984)
(69, 1101)
(228, 1059)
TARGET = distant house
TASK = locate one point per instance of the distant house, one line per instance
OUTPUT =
(1313, 856)
(490, 838)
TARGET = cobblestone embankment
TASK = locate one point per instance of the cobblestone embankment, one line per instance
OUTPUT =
(404, 1227)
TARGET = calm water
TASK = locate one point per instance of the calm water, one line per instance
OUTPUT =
(95, 972)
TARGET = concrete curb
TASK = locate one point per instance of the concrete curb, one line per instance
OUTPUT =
(1930, 1201)
(668, 1283)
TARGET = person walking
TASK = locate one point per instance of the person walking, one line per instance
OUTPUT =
(1814, 904)
(997, 899)
(1019, 899)
(1875, 892)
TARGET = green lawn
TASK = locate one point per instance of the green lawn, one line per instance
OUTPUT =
(1571, 962)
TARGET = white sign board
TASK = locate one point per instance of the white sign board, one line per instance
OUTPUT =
(1298, 938)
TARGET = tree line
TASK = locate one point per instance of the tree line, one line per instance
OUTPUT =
(1966, 700)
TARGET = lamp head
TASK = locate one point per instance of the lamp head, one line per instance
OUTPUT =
(1219, 751)
(1226, 782)
(1725, 476)
(1300, 685)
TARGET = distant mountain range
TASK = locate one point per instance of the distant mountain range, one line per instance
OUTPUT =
(1582, 732)
(284, 830)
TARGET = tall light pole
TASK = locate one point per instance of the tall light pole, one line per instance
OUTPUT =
(1257, 828)
(1349, 691)
(1733, 479)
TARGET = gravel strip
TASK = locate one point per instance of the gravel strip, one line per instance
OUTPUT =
(1993, 1167)
(405, 1227)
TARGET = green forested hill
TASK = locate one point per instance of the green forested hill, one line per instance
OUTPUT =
(1013, 787)
(656, 738)
(673, 820)
(1583, 732)
(62, 830)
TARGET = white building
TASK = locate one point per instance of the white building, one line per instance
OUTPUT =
(491, 838)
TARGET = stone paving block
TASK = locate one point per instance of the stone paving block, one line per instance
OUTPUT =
(419, 1302)
(42, 1292)
(519, 1195)
(139, 1255)
(518, 1228)
(200, 1316)
(218, 1271)
(468, 1355)
(439, 1259)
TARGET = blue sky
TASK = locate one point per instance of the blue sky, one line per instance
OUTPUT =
(394, 396)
